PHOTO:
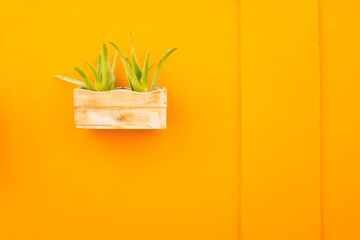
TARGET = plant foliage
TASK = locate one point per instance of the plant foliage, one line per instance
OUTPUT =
(139, 79)
(104, 75)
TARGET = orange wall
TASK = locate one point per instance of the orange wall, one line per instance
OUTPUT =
(280, 86)
(300, 119)
(340, 71)
(294, 174)
(58, 182)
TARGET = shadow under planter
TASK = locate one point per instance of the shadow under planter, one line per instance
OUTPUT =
(121, 108)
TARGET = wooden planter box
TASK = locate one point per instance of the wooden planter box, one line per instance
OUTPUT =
(120, 109)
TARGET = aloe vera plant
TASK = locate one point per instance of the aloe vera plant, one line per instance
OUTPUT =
(139, 79)
(104, 74)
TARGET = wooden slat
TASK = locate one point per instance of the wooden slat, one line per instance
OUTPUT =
(280, 84)
(120, 97)
(120, 109)
(120, 118)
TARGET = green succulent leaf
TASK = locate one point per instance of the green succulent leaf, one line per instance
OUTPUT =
(151, 65)
(97, 77)
(77, 82)
(105, 70)
(113, 85)
(114, 62)
(113, 79)
(158, 68)
(98, 83)
(89, 84)
(99, 64)
(127, 77)
(129, 62)
(137, 68)
(145, 76)
(130, 74)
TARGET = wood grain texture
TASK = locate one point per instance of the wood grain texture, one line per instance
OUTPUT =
(120, 109)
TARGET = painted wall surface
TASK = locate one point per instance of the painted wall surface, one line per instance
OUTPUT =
(340, 71)
(300, 113)
(280, 86)
(58, 182)
(262, 139)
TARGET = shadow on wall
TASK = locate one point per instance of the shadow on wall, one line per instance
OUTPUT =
(123, 136)
(127, 144)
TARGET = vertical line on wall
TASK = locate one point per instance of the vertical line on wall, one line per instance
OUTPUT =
(239, 100)
(321, 127)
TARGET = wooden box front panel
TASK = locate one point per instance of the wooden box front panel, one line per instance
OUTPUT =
(120, 109)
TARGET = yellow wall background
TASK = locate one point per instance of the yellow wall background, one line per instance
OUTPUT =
(58, 182)
(262, 137)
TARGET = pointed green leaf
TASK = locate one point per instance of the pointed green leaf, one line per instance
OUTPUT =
(166, 55)
(97, 77)
(77, 82)
(98, 83)
(114, 61)
(89, 84)
(113, 79)
(151, 65)
(105, 70)
(131, 86)
(130, 74)
(99, 64)
(137, 68)
(127, 76)
(128, 60)
(145, 76)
